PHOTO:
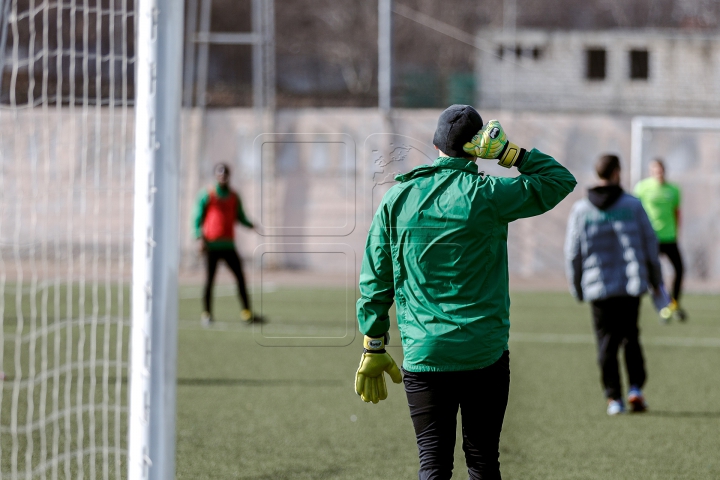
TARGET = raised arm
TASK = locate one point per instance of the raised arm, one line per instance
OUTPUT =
(541, 185)
(543, 182)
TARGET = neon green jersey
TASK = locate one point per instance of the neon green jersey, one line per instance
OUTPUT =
(661, 202)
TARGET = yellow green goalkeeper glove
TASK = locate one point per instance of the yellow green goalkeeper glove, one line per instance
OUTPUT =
(374, 363)
(491, 142)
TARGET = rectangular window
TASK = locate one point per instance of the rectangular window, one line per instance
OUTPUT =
(595, 63)
(639, 60)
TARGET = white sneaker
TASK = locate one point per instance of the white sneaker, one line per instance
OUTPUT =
(615, 407)
(206, 319)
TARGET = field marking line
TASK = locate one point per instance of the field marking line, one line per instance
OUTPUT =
(224, 290)
(271, 330)
(520, 337)
(568, 338)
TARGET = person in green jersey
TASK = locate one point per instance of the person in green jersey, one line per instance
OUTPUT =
(661, 201)
(437, 248)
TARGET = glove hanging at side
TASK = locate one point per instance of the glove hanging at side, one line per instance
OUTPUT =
(374, 363)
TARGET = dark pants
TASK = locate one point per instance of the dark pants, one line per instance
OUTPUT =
(616, 324)
(233, 261)
(481, 395)
(673, 254)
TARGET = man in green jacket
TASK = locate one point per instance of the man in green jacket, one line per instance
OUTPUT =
(437, 247)
(217, 209)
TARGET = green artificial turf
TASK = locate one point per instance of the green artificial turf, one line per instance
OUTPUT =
(277, 402)
(249, 411)
(63, 405)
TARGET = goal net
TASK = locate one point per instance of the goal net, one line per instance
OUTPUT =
(66, 196)
(690, 150)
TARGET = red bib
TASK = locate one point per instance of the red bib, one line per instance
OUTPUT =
(220, 216)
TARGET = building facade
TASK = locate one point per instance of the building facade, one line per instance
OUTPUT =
(633, 72)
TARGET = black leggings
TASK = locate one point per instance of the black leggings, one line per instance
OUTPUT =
(673, 254)
(481, 395)
(616, 325)
(233, 261)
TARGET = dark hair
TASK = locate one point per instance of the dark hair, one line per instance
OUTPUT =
(606, 166)
(221, 169)
(660, 162)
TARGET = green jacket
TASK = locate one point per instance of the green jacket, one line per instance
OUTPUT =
(201, 208)
(438, 247)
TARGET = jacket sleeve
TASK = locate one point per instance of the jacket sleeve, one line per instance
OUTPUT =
(377, 288)
(241, 213)
(541, 185)
(199, 213)
(651, 247)
(573, 254)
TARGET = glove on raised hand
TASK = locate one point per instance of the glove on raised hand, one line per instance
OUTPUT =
(374, 363)
(491, 142)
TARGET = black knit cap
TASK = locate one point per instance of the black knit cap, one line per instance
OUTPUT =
(456, 126)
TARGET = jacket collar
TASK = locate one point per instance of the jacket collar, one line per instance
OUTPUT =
(443, 162)
(457, 164)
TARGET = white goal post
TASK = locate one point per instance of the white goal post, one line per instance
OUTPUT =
(87, 380)
(153, 360)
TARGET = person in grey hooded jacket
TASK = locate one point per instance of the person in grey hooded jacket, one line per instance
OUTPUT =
(611, 254)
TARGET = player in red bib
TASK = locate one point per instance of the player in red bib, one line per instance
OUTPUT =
(217, 209)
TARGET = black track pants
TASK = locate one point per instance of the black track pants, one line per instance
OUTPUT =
(434, 399)
(616, 324)
(673, 254)
(233, 261)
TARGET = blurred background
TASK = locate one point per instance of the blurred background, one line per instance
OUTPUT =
(566, 77)
(316, 105)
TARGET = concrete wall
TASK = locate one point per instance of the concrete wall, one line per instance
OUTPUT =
(66, 187)
(684, 72)
(311, 186)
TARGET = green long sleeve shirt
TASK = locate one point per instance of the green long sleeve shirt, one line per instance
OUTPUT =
(437, 247)
(201, 208)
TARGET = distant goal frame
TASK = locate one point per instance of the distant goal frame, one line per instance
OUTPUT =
(641, 123)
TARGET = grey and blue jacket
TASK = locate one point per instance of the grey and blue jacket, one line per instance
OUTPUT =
(610, 248)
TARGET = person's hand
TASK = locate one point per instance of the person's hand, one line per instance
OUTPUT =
(491, 142)
(201, 245)
(370, 375)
